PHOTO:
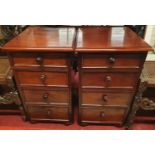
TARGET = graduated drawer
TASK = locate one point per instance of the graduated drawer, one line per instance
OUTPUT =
(109, 79)
(105, 98)
(46, 96)
(102, 115)
(112, 60)
(48, 113)
(37, 78)
(40, 59)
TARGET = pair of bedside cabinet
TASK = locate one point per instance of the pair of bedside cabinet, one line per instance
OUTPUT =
(109, 62)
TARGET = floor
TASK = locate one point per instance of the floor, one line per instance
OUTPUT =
(15, 122)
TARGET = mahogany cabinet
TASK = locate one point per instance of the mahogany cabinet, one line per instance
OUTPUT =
(110, 63)
(41, 61)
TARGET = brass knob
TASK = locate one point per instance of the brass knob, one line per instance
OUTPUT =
(39, 60)
(112, 60)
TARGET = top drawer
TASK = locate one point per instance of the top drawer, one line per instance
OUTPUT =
(112, 61)
(37, 60)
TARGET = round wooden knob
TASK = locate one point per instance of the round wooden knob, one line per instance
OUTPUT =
(45, 96)
(105, 98)
(49, 113)
(43, 77)
(112, 60)
(102, 114)
(108, 78)
(39, 60)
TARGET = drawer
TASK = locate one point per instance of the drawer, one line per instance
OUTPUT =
(46, 96)
(104, 98)
(109, 80)
(112, 61)
(36, 78)
(103, 115)
(48, 113)
(36, 60)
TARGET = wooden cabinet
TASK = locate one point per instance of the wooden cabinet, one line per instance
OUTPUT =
(110, 64)
(42, 71)
(110, 61)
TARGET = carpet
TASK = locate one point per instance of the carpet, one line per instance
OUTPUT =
(15, 122)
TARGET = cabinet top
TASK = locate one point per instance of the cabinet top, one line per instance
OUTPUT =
(39, 38)
(110, 39)
(87, 39)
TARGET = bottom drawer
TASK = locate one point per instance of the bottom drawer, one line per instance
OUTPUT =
(48, 113)
(103, 115)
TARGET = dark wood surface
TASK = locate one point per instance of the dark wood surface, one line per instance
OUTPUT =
(110, 63)
(45, 87)
(48, 113)
(104, 115)
(41, 61)
(119, 61)
(111, 39)
(105, 79)
(42, 39)
(57, 96)
(99, 97)
(30, 78)
(107, 88)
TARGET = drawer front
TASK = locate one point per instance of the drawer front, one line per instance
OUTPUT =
(112, 61)
(109, 79)
(42, 78)
(59, 96)
(36, 60)
(103, 115)
(48, 112)
(103, 98)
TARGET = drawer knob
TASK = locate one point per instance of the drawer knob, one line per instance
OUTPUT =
(108, 78)
(112, 60)
(45, 96)
(102, 114)
(105, 98)
(43, 77)
(39, 60)
(49, 112)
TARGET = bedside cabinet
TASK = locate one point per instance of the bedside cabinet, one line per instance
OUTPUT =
(110, 64)
(41, 60)
(110, 61)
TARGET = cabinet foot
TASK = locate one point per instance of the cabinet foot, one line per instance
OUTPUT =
(83, 124)
(68, 123)
(24, 118)
(32, 121)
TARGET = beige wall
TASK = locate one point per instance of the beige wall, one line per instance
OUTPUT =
(150, 38)
(150, 35)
